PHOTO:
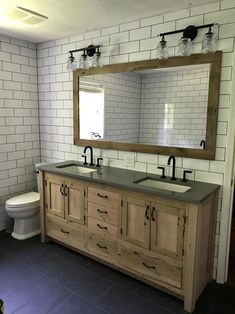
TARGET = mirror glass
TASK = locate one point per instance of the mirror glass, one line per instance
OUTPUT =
(166, 106)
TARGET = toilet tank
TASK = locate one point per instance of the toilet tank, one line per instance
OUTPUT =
(36, 170)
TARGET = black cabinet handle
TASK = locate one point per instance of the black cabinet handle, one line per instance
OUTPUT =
(63, 231)
(101, 227)
(152, 214)
(101, 246)
(102, 211)
(66, 190)
(147, 266)
(62, 189)
(103, 196)
(147, 216)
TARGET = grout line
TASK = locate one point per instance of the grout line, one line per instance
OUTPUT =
(106, 290)
(59, 303)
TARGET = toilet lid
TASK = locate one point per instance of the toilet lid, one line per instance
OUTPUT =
(24, 199)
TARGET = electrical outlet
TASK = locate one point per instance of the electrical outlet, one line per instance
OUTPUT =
(130, 161)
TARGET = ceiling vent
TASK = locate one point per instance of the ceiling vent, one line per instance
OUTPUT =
(25, 16)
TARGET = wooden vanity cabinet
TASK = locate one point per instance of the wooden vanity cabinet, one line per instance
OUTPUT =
(65, 198)
(163, 242)
(154, 225)
(154, 228)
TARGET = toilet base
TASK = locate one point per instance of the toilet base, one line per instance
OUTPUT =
(26, 228)
(18, 236)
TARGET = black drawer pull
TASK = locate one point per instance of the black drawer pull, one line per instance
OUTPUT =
(103, 196)
(101, 227)
(102, 211)
(63, 231)
(147, 266)
(101, 246)
(147, 216)
(62, 189)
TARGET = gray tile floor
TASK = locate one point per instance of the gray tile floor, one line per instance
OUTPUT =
(48, 278)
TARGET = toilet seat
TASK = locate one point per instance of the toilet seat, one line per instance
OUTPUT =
(24, 201)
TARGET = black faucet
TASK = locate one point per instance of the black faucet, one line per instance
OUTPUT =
(173, 168)
(91, 160)
(203, 144)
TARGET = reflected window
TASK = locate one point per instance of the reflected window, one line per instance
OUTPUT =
(91, 111)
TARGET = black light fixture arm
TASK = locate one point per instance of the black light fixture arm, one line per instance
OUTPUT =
(188, 32)
(90, 50)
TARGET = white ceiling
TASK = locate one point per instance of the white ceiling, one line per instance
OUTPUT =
(67, 17)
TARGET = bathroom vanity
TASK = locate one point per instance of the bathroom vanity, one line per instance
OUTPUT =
(162, 236)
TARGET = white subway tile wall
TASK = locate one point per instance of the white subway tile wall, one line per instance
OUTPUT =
(19, 123)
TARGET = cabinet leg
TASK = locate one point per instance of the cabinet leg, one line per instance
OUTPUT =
(189, 305)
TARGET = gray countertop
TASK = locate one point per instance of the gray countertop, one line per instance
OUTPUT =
(123, 178)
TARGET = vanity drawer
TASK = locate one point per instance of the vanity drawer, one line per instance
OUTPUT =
(104, 213)
(101, 227)
(154, 268)
(65, 232)
(103, 247)
(103, 197)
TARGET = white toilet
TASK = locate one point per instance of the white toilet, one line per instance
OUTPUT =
(24, 209)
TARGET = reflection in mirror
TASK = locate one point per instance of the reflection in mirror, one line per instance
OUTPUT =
(91, 110)
(165, 106)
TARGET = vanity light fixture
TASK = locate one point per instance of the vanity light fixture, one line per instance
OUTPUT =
(91, 57)
(185, 43)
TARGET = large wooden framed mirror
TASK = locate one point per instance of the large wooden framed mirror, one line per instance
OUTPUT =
(167, 107)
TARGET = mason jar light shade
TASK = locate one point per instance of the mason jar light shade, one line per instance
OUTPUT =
(209, 42)
(96, 60)
(83, 64)
(184, 47)
(162, 49)
(99, 58)
(71, 63)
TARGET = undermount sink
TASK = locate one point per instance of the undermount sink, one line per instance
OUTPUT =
(77, 169)
(153, 183)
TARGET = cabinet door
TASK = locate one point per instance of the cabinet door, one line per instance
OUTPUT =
(167, 226)
(135, 221)
(74, 201)
(55, 195)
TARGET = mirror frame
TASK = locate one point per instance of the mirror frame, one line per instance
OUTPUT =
(214, 60)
